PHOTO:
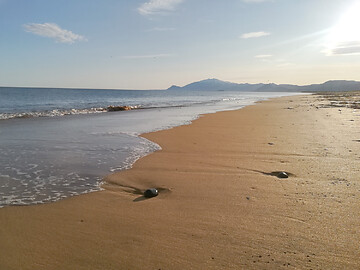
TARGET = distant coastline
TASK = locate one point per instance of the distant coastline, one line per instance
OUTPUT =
(215, 84)
(219, 85)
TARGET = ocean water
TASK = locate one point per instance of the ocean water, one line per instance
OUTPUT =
(57, 143)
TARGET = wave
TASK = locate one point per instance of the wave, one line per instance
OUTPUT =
(56, 112)
(93, 110)
(64, 112)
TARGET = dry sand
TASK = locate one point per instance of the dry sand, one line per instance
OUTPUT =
(219, 207)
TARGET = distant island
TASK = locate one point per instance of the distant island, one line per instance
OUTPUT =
(218, 85)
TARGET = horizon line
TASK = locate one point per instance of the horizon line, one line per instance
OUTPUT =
(158, 89)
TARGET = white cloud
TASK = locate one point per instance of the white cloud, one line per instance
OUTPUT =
(147, 56)
(54, 31)
(154, 7)
(262, 56)
(345, 48)
(254, 35)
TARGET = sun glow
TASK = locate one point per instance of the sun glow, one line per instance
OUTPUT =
(344, 38)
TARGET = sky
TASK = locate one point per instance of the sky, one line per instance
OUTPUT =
(153, 44)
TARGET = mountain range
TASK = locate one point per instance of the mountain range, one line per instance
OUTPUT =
(218, 85)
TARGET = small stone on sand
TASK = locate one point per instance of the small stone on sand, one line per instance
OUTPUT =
(151, 192)
(282, 175)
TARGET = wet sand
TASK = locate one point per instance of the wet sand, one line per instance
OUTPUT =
(220, 206)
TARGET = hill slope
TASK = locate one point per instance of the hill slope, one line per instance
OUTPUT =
(217, 85)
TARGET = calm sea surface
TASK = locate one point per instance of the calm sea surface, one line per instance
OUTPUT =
(56, 143)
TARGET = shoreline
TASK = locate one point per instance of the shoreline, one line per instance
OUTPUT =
(85, 148)
(218, 207)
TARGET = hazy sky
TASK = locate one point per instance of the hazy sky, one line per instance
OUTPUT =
(152, 44)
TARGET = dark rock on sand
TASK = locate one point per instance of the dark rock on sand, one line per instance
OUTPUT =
(279, 174)
(118, 108)
(151, 192)
(282, 175)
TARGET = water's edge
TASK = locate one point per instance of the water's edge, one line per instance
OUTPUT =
(150, 147)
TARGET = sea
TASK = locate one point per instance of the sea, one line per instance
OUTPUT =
(58, 143)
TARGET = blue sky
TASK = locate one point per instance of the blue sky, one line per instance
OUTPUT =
(152, 44)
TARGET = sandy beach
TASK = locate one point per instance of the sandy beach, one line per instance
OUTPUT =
(220, 205)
